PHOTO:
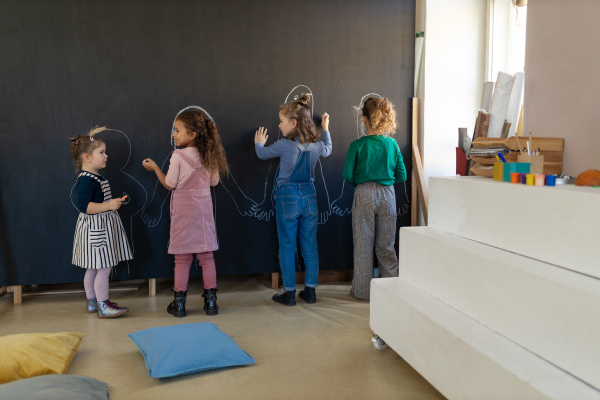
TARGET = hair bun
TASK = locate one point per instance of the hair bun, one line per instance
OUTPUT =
(304, 99)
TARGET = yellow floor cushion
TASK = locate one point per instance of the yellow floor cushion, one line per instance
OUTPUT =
(33, 354)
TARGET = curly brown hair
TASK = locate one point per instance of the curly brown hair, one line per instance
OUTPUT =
(305, 130)
(80, 145)
(381, 115)
(207, 141)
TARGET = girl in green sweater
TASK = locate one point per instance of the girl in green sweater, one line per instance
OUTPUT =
(373, 164)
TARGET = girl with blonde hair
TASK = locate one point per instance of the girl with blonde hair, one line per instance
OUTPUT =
(373, 164)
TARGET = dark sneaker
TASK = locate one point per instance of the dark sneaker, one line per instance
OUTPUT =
(287, 298)
(308, 295)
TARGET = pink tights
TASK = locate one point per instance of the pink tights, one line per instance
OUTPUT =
(182, 270)
(95, 283)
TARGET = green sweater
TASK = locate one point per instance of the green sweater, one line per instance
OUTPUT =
(374, 158)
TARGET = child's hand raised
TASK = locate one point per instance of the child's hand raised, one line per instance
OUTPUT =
(261, 136)
(115, 204)
(325, 121)
(149, 164)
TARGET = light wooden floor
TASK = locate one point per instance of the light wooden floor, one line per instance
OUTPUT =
(319, 351)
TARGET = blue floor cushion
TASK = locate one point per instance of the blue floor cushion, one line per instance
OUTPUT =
(55, 387)
(187, 349)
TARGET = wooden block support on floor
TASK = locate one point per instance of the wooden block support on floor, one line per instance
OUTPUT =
(275, 280)
(152, 287)
(18, 294)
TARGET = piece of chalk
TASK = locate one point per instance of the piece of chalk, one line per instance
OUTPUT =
(124, 197)
(325, 114)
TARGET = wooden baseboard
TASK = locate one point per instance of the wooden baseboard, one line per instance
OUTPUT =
(336, 275)
(18, 293)
(70, 291)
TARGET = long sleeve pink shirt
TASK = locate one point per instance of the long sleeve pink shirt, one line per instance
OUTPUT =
(180, 171)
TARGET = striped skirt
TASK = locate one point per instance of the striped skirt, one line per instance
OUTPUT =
(100, 241)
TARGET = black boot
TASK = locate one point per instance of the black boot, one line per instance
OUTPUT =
(287, 298)
(308, 295)
(210, 301)
(177, 306)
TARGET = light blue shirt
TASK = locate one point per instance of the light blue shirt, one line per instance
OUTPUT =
(288, 154)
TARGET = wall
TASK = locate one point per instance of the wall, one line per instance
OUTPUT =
(453, 76)
(562, 61)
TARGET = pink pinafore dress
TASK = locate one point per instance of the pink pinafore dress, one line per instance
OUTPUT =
(192, 221)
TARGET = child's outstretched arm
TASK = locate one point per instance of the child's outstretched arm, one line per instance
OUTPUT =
(325, 121)
(400, 171)
(349, 166)
(151, 166)
(260, 139)
(97, 208)
(326, 137)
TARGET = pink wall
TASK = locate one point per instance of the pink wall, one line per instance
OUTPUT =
(562, 78)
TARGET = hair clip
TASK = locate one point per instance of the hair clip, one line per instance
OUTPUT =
(95, 130)
(91, 138)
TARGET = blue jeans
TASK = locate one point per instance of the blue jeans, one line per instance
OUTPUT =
(297, 215)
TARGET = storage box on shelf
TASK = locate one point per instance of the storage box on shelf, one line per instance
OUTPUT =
(550, 148)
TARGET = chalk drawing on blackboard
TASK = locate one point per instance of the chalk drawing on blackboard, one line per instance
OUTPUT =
(106, 132)
(152, 219)
(360, 127)
(148, 218)
(360, 131)
(264, 209)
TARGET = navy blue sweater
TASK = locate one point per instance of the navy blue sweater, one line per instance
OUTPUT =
(88, 191)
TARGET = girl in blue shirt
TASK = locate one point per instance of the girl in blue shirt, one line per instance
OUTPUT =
(295, 196)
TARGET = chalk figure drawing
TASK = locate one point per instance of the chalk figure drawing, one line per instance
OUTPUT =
(154, 220)
(106, 133)
(264, 209)
(246, 206)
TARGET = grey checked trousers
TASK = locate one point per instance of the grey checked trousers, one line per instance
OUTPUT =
(373, 226)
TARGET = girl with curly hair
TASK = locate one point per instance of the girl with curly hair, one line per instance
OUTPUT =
(373, 164)
(192, 171)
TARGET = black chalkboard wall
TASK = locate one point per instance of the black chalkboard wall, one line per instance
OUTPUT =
(68, 65)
